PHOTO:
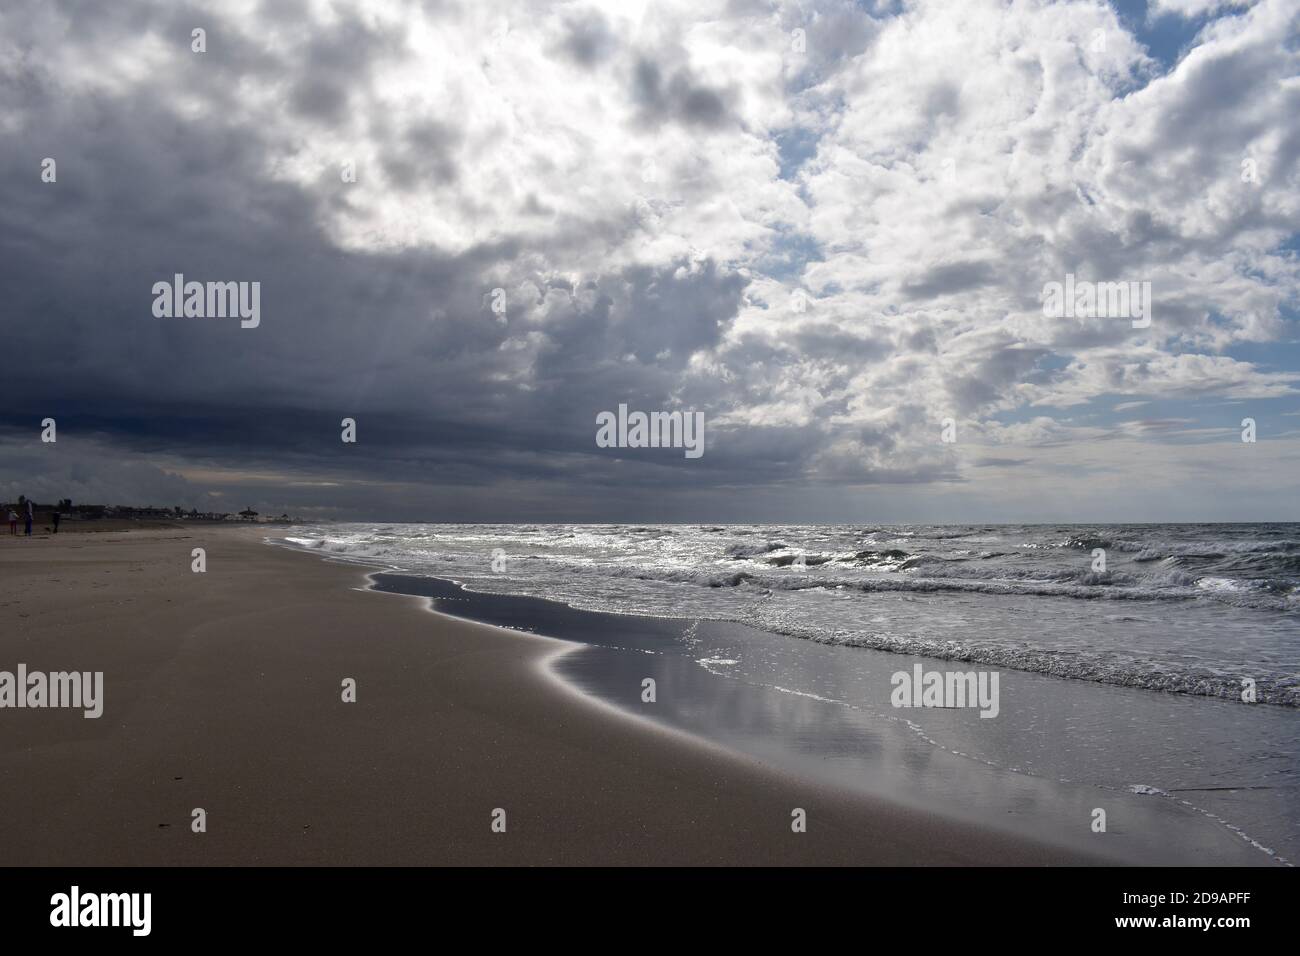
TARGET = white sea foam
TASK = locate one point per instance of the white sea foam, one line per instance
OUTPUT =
(1192, 609)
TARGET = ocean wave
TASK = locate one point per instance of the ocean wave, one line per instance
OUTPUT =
(1081, 591)
(922, 574)
(1031, 602)
(808, 560)
(1096, 668)
(751, 550)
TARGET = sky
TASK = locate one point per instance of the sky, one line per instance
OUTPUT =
(826, 226)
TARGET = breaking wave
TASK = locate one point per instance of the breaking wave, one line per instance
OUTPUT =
(1191, 609)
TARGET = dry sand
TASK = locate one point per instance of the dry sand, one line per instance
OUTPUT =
(223, 691)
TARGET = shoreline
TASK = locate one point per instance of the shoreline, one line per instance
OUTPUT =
(948, 647)
(1126, 744)
(222, 692)
(861, 752)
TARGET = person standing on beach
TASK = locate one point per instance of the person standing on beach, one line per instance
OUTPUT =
(56, 520)
(13, 521)
(28, 529)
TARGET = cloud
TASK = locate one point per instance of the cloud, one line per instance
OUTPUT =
(1195, 8)
(826, 227)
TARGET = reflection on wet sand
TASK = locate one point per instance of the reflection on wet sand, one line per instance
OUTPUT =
(1055, 755)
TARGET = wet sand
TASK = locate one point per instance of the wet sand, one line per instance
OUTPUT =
(823, 714)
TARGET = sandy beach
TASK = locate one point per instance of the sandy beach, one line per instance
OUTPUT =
(222, 690)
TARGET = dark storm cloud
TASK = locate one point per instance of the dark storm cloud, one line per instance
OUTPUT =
(948, 279)
(325, 101)
(423, 155)
(331, 65)
(89, 474)
(677, 96)
(399, 340)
